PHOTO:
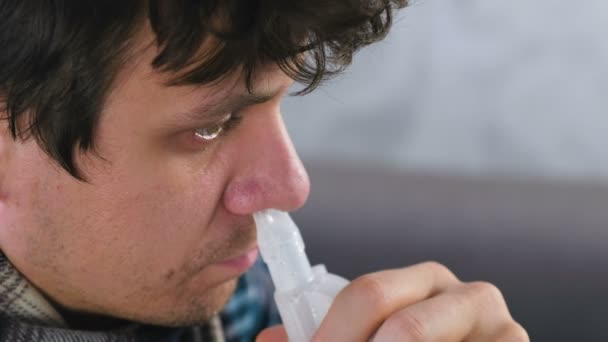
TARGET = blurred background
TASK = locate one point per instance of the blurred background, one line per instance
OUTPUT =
(474, 135)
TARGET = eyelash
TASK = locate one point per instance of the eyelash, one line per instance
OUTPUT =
(218, 130)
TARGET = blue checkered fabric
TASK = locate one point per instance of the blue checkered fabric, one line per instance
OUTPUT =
(252, 308)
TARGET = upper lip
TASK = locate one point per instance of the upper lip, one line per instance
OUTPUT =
(245, 227)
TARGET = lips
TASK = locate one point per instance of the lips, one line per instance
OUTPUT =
(242, 262)
(235, 245)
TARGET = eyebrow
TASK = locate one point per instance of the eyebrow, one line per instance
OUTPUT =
(211, 111)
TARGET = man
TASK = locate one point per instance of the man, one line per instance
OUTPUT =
(139, 137)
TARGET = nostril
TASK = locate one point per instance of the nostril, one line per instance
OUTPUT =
(286, 192)
(240, 197)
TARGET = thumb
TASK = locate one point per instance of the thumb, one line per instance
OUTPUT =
(273, 334)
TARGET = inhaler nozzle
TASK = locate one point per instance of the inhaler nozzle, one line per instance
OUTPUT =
(282, 249)
(303, 293)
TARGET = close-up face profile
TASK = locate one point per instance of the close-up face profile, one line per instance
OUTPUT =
(148, 180)
(169, 193)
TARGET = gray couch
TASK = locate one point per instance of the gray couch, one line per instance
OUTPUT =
(543, 243)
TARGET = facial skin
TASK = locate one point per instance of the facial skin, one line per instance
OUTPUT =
(139, 240)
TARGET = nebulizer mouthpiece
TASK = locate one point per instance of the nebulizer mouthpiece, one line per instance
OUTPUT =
(303, 293)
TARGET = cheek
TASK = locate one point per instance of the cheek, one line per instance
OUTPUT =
(142, 217)
(27, 200)
(154, 221)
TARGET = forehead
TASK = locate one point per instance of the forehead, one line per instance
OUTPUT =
(210, 47)
(143, 49)
(137, 81)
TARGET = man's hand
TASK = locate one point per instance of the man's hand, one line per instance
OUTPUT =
(424, 302)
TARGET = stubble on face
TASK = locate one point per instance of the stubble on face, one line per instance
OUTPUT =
(196, 310)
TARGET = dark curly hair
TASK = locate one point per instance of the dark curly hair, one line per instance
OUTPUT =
(58, 58)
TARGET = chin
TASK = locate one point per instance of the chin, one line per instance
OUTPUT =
(199, 309)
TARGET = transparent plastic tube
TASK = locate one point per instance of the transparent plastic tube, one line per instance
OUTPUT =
(303, 293)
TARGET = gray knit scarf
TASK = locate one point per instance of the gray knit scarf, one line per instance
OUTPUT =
(26, 316)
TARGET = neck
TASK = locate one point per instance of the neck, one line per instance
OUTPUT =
(90, 322)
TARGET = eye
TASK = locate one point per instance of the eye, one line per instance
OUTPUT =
(210, 133)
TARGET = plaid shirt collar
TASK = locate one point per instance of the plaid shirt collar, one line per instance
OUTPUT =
(25, 315)
(20, 300)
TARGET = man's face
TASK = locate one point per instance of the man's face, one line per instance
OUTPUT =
(145, 237)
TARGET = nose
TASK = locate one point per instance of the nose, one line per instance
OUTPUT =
(268, 172)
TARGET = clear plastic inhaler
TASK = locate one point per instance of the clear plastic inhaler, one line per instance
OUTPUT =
(303, 293)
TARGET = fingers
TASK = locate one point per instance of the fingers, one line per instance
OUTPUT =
(443, 318)
(361, 307)
(273, 334)
(509, 333)
(474, 312)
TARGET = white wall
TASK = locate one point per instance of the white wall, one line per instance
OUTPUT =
(517, 87)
